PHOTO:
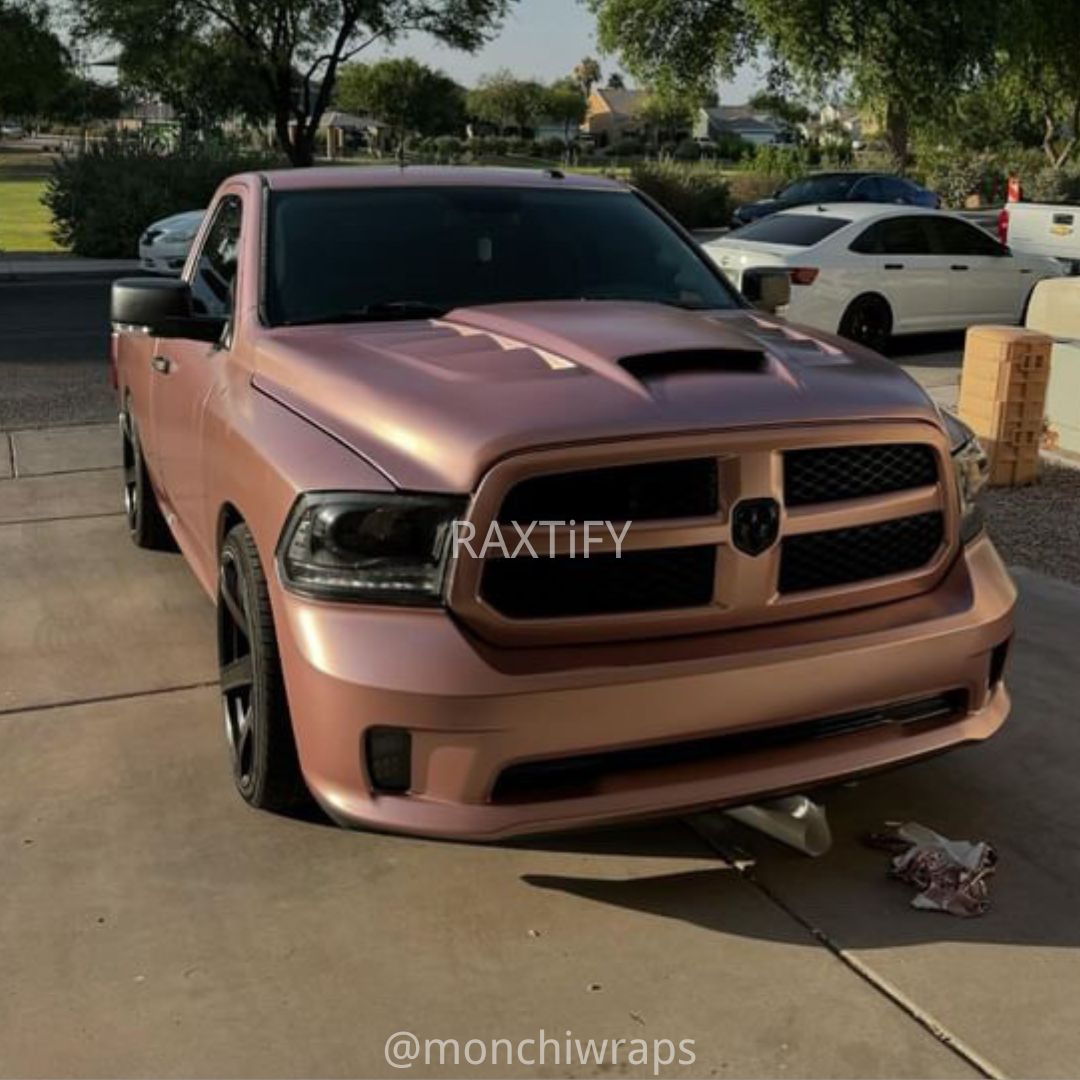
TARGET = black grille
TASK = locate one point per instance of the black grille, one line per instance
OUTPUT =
(563, 777)
(850, 472)
(527, 588)
(842, 556)
(666, 489)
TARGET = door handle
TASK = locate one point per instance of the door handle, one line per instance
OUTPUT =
(959, 266)
(162, 364)
(894, 266)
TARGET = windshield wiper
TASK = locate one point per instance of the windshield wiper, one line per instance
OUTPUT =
(381, 311)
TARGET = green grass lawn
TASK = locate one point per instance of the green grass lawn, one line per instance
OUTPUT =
(25, 223)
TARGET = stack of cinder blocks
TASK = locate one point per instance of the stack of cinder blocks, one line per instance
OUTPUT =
(1003, 398)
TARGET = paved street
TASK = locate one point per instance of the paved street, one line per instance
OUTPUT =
(154, 925)
(53, 346)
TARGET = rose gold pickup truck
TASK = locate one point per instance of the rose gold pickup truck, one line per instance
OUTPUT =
(518, 517)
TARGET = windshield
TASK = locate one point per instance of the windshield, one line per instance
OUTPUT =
(414, 252)
(819, 189)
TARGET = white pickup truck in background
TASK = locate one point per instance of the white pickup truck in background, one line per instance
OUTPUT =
(1030, 228)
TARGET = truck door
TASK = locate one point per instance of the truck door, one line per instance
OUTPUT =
(186, 374)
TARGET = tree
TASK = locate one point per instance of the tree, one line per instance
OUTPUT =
(902, 57)
(790, 111)
(616, 81)
(684, 41)
(666, 112)
(33, 63)
(407, 95)
(1040, 70)
(506, 101)
(81, 100)
(564, 102)
(294, 48)
(206, 80)
(587, 74)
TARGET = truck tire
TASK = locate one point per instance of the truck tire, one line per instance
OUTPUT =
(146, 523)
(258, 728)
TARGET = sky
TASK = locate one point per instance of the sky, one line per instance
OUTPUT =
(540, 39)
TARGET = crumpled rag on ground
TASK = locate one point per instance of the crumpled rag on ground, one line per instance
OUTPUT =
(951, 875)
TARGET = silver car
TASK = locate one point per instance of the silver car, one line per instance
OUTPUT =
(164, 247)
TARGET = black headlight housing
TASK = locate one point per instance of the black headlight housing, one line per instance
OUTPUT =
(972, 471)
(369, 547)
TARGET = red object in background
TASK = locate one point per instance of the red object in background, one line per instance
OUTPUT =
(1003, 225)
(1015, 190)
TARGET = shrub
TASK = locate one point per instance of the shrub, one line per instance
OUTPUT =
(696, 195)
(551, 148)
(787, 162)
(625, 148)
(687, 150)
(102, 200)
(447, 148)
(1054, 185)
(955, 176)
(732, 148)
(747, 187)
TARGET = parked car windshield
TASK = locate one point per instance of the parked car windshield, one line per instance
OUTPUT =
(795, 230)
(383, 253)
(819, 189)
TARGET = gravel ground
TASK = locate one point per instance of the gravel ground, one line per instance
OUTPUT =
(1039, 526)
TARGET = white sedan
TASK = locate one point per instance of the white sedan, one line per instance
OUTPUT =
(164, 246)
(869, 272)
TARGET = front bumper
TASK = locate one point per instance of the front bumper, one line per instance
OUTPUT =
(473, 709)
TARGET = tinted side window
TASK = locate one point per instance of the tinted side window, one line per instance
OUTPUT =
(895, 190)
(870, 189)
(214, 280)
(894, 236)
(954, 237)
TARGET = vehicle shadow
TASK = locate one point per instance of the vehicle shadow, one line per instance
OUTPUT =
(926, 348)
(1018, 791)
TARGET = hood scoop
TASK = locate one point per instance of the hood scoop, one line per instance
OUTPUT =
(661, 365)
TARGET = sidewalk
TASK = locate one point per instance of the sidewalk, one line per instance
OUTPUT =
(19, 266)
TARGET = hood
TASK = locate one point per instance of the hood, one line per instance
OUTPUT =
(434, 403)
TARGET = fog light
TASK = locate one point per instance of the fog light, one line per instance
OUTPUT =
(997, 663)
(389, 758)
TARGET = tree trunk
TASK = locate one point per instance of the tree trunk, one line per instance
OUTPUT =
(897, 131)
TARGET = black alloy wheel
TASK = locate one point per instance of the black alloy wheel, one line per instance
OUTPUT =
(868, 320)
(258, 727)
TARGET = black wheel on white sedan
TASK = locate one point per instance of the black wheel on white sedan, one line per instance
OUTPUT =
(258, 727)
(868, 320)
(145, 521)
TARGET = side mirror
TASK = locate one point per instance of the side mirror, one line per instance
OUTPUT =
(162, 307)
(766, 288)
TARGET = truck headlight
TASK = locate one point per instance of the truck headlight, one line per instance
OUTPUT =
(972, 470)
(373, 548)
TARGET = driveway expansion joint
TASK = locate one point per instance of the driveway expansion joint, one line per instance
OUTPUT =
(738, 860)
(104, 699)
(62, 517)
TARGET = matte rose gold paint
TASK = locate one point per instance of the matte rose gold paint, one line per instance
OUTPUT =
(486, 396)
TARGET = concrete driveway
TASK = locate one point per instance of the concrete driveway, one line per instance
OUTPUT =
(151, 924)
